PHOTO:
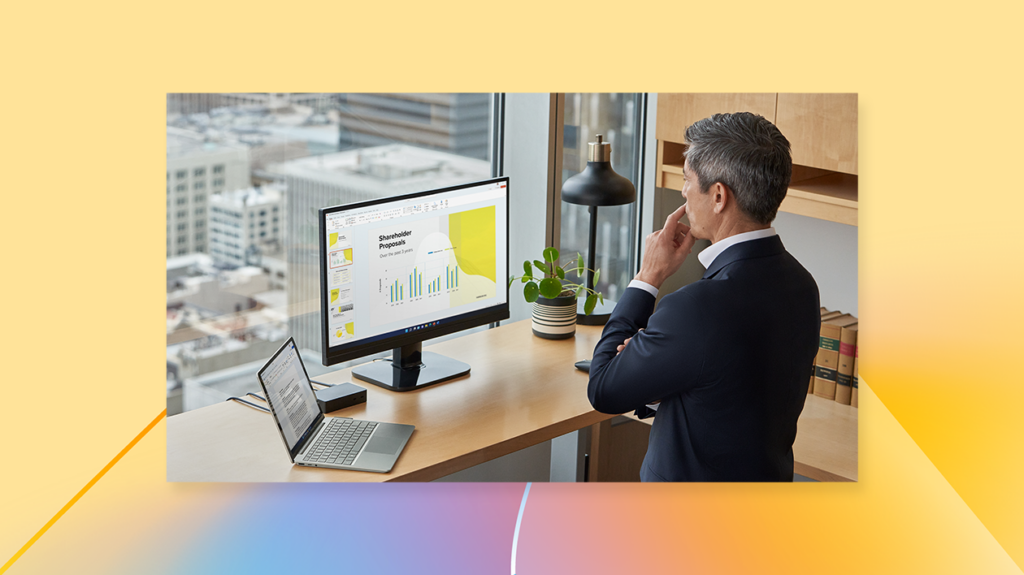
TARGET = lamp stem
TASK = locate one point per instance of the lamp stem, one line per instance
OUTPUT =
(592, 249)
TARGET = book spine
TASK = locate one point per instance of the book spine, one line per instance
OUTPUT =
(826, 362)
(856, 378)
(844, 377)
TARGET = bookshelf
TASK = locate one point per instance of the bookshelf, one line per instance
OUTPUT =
(821, 128)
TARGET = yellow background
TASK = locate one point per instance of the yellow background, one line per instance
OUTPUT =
(941, 272)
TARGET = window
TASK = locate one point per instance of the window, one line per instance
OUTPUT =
(182, 227)
(182, 252)
(182, 214)
(263, 213)
(181, 187)
(199, 211)
(357, 120)
(182, 239)
(181, 201)
(181, 174)
(200, 236)
(616, 117)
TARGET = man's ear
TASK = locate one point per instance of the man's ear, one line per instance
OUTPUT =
(721, 196)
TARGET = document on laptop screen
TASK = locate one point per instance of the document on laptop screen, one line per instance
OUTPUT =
(290, 394)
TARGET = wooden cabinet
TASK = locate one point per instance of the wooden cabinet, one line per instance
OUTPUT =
(821, 128)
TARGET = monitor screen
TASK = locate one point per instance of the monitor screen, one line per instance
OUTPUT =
(400, 270)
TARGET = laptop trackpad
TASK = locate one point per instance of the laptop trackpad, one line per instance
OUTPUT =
(384, 445)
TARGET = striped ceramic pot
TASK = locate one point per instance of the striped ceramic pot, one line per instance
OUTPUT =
(554, 318)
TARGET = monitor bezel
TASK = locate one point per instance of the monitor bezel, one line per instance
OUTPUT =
(448, 326)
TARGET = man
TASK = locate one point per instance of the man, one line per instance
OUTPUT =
(728, 356)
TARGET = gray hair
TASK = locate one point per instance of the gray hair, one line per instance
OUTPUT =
(747, 154)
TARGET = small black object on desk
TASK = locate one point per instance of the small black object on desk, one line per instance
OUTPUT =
(340, 396)
(583, 365)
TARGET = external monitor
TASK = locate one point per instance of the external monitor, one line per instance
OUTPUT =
(400, 270)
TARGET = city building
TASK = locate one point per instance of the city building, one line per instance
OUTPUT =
(197, 168)
(244, 224)
(457, 123)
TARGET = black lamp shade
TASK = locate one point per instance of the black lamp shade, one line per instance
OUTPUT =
(598, 185)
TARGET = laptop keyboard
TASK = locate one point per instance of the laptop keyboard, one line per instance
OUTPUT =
(341, 441)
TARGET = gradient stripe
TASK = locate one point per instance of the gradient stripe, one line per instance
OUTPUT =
(519, 521)
(84, 490)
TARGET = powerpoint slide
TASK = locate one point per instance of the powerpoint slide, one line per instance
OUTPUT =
(432, 265)
(341, 294)
(341, 276)
(340, 258)
(337, 240)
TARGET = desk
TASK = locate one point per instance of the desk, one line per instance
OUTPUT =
(522, 390)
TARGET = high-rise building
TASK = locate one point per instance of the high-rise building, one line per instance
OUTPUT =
(243, 224)
(457, 123)
(196, 169)
(347, 177)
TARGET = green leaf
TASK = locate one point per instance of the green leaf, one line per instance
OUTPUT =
(542, 267)
(582, 291)
(591, 303)
(527, 278)
(550, 288)
(579, 265)
(551, 255)
(600, 296)
(560, 272)
(597, 274)
(510, 280)
(531, 291)
(528, 268)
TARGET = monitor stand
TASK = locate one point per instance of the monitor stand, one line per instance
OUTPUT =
(411, 368)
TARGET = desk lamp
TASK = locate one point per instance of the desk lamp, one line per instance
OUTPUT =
(597, 185)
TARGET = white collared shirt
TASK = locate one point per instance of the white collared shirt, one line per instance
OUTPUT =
(708, 256)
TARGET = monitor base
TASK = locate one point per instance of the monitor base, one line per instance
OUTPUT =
(411, 369)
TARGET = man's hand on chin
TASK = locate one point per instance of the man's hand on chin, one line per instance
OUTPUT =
(665, 250)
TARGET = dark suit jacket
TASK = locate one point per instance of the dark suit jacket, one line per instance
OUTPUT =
(730, 358)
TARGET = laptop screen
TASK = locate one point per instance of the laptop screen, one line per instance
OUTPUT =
(290, 394)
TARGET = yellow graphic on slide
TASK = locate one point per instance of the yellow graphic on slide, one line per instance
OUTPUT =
(337, 240)
(473, 257)
(472, 235)
(340, 258)
(334, 295)
(346, 331)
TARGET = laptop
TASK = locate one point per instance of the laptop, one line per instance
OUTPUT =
(317, 441)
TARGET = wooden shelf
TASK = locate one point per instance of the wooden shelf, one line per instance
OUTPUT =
(831, 197)
(813, 192)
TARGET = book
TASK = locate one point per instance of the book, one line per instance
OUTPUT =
(826, 363)
(844, 375)
(856, 379)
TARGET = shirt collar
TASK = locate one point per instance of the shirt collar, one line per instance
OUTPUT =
(709, 254)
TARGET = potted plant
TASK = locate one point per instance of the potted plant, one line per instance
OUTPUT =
(553, 297)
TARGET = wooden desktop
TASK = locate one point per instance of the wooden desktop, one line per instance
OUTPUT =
(522, 390)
